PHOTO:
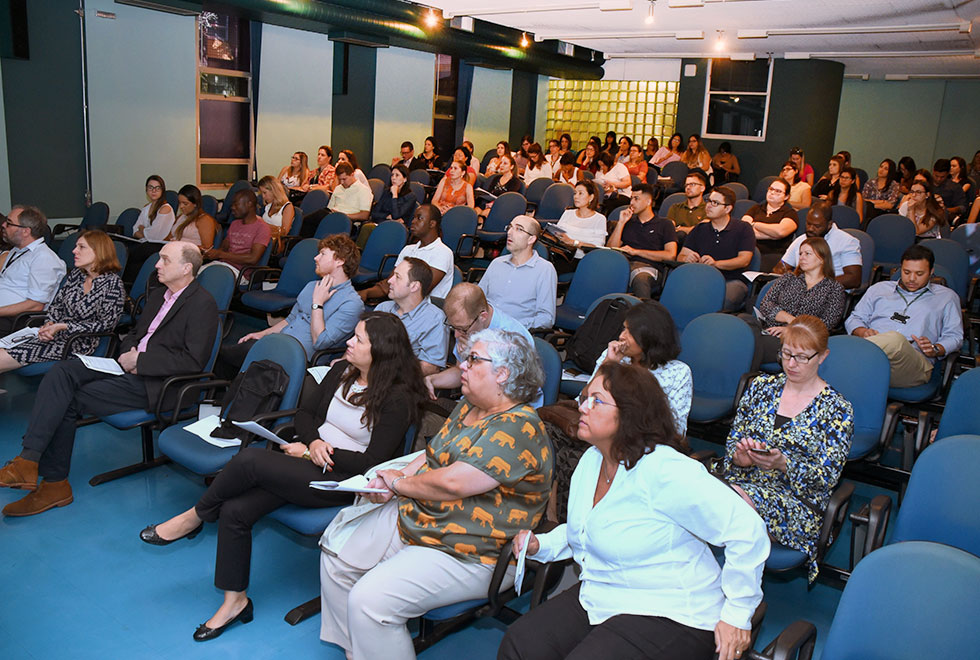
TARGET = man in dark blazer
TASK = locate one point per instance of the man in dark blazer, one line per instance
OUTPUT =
(174, 336)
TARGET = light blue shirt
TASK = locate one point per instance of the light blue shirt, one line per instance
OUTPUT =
(427, 331)
(933, 312)
(525, 292)
(32, 272)
(340, 314)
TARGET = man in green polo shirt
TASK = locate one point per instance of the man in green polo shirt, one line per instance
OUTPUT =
(690, 212)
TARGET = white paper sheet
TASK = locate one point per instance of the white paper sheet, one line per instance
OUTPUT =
(581, 378)
(356, 484)
(318, 373)
(202, 428)
(260, 431)
(19, 337)
(105, 365)
(519, 571)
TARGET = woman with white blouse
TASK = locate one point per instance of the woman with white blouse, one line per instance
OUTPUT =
(583, 225)
(279, 213)
(537, 165)
(615, 180)
(156, 218)
(640, 517)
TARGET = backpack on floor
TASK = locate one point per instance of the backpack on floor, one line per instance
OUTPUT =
(600, 327)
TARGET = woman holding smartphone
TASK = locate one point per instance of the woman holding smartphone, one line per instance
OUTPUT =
(789, 441)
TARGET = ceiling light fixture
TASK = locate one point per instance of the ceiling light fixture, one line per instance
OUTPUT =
(431, 19)
(524, 40)
(720, 42)
(649, 19)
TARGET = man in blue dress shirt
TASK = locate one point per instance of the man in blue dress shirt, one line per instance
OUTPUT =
(408, 289)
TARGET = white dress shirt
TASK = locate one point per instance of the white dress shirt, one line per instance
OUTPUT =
(33, 272)
(643, 548)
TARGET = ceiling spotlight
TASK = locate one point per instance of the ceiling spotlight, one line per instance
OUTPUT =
(431, 19)
(649, 19)
(720, 43)
(524, 40)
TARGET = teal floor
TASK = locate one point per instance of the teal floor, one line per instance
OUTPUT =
(80, 583)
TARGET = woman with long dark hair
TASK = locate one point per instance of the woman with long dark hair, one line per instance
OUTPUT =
(846, 193)
(922, 208)
(156, 218)
(883, 190)
(193, 224)
(398, 201)
(673, 150)
(357, 417)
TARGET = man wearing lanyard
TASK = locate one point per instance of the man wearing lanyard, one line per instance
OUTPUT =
(174, 336)
(31, 273)
(914, 321)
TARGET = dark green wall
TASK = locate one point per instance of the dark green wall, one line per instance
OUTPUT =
(803, 105)
(352, 122)
(42, 99)
(523, 105)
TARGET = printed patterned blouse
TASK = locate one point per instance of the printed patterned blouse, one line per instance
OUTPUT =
(513, 448)
(815, 444)
(789, 294)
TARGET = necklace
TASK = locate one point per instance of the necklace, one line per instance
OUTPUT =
(602, 469)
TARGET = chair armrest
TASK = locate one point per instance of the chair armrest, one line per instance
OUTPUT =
(259, 275)
(433, 407)
(288, 243)
(265, 417)
(113, 229)
(796, 641)
(475, 274)
(113, 342)
(28, 320)
(834, 517)
(384, 261)
(743, 384)
(868, 527)
(459, 246)
(204, 381)
(63, 226)
(323, 352)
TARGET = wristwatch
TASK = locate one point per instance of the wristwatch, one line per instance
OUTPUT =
(317, 306)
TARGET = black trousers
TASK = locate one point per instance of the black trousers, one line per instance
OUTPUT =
(68, 391)
(255, 482)
(231, 356)
(312, 221)
(559, 629)
(6, 325)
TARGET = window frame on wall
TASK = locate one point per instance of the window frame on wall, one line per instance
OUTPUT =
(708, 93)
(203, 70)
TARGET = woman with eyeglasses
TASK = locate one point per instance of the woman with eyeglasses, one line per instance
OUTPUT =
(846, 193)
(922, 208)
(811, 289)
(673, 150)
(435, 541)
(789, 441)
(156, 218)
(774, 223)
(640, 517)
(799, 190)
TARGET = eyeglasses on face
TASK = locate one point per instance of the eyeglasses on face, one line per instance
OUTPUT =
(777, 189)
(472, 358)
(786, 356)
(154, 188)
(518, 228)
(592, 401)
(715, 202)
(8, 221)
(461, 331)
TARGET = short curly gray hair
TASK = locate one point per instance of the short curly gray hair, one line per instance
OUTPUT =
(512, 351)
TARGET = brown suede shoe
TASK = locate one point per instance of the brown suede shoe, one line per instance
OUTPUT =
(19, 473)
(49, 495)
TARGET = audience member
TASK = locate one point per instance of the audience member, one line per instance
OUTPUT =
(646, 240)
(247, 236)
(173, 336)
(588, 159)
(847, 193)
(883, 190)
(426, 229)
(553, 155)
(773, 222)
(685, 215)
(407, 158)
(430, 154)
(295, 175)
(830, 180)
(583, 225)
(567, 171)
(659, 511)
(636, 164)
(493, 167)
(725, 164)
(351, 196)
(565, 144)
(355, 418)
(474, 162)
(503, 182)
(398, 201)
(347, 156)
(156, 219)
(537, 165)
(436, 540)
(615, 181)
(611, 145)
(811, 290)
(696, 157)
(799, 190)
(323, 177)
(622, 155)
(453, 189)
(462, 155)
(974, 211)
(954, 199)
(193, 225)
(974, 168)
(32, 272)
(724, 243)
(789, 441)
(798, 158)
(922, 208)
(844, 248)
(90, 300)
(279, 212)
(408, 290)
(653, 145)
(914, 321)
(906, 170)
(957, 174)
(522, 284)
(670, 152)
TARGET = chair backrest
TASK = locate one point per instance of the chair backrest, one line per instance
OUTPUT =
(419, 190)
(867, 253)
(677, 171)
(892, 233)
(209, 204)
(801, 221)
(741, 192)
(598, 273)
(862, 177)
(98, 215)
(287, 352)
(225, 211)
(908, 601)
(845, 217)
(759, 193)
(741, 207)
(314, 201)
(756, 262)
(670, 200)
(487, 157)
(860, 371)
(127, 220)
(969, 237)
(143, 276)
(940, 503)
(333, 223)
(506, 207)
(297, 221)
(586, 174)
(717, 366)
(219, 281)
(457, 275)
(377, 188)
(299, 268)
(421, 176)
(614, 215)
(122, 254)
(551, 363)
(382, 172)
(389, 237)
(171, 196)
(962, 413)
(556, 199)
(535, 191)
(692, 290)
(635, 180)
(457, 221)
(953, 256)
(67, 245)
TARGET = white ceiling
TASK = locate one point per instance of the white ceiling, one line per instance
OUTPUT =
(859, 33)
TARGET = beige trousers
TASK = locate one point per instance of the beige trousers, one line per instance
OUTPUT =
(365, 611)
(909, 366)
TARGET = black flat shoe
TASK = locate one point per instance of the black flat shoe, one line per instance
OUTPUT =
(204, 634)
(149, 535)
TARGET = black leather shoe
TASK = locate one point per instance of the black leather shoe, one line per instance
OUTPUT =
(149, 535)
(203, 633)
